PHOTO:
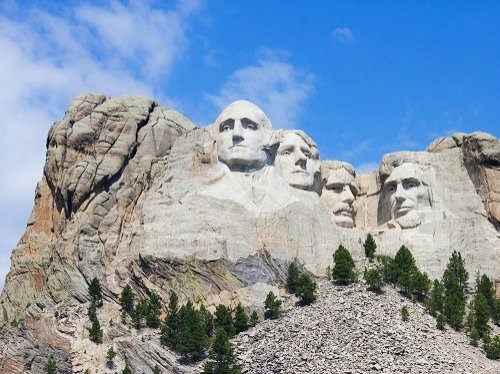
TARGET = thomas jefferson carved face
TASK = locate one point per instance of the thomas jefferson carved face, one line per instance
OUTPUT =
(297, 161)
(242, 130)
(339, 193)
(407, 194)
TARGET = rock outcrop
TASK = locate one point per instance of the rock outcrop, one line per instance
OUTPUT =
(134, 193)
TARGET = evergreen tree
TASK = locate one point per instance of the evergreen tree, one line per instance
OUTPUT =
(492, 348)
(170, 329)
(127, 370)
(50, 366)
(403, 269)
(482, 315)
(272, 306)
(92, 311)
(192, 339)
(420, 285)
(435, 304)
(495, 313)
(306, 290)
(140, 311)
(224, 319)
(254, 318)
(484, 285)
(157, 370)
(153, 311)
(292, 280)
(127, 299)
(95, 332)
(440, 322)
(370, 246)
(208, 320)
(95, 291)
(388, 269)
(454, 306)
(343, 272)
(240, 319)
(110, 356)
(222, 359)
(373, 278)
(405, 314)
(456, 272)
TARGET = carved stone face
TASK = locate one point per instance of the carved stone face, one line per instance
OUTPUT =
(295, 162)
(407, 194)
(339, 194)
(241, 134)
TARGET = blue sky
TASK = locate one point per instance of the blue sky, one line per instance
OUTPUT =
(362, 78)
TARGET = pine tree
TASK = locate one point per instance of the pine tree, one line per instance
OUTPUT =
(127, 370)
(240, 319)
(95, 291)
(170, 329)
(254, 318)
(50, 366)
(456, 272)
(440, 322)
(208, 320)
(153, 311)
(435, 304)
(343, 271)
(484, 285)
(95, 332)
(370, 246)
(272, 306)
(224, 319)
(140, 311)
(403, 269)
(127, 299)
(492, 348)
(388, 269)
(373, 279)
(454, 306)
(156, 370)
(292, 280)
(405, 315)
(110, 356)
(222, 359)
(192, 339)
(420, 285)
(306, 291)
(92, 311)
(482, 315)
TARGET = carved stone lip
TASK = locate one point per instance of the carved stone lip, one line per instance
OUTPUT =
(237, 146)
(346, 213)
(300, 172)
(403, 210)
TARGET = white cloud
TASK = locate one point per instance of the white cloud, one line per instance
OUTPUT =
(343, 35)
(275, 85)
(355, 151)
(366, 167)
(47, 59)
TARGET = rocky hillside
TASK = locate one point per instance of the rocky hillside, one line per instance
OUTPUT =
(351, 330)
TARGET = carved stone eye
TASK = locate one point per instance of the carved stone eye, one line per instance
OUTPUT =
(285, 153)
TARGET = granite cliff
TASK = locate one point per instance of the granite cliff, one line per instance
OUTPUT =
(134, 193)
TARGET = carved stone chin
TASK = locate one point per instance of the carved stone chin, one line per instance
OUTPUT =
(408, 221)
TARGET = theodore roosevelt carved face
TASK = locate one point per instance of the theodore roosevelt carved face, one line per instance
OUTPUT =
(408, 194)
(339, 191)
(243, 129)
(297, 159)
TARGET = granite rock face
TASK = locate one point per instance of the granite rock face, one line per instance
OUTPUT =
(134, 193)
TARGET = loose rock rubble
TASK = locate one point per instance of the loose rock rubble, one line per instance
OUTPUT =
(351, 330)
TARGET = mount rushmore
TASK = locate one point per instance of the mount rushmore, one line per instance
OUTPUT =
(133, 192)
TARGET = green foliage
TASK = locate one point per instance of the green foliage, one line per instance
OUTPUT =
(224, 319)
(95, 291)
(373, 278)
(139, 312)
(292, 280)
(492, 348)
(92, 311)
(254, 318)
(370, 246)
(240, 319)
(222, 359)
(192, 339)
(170, 330)
(153, 310)
(272, 306)
(482, 315)
(208, 320)
(455, 272)
(420, 285)
(343, 272)
(307, 290)
(403, 268)
(95, 332)
(110, 356)
(495, 313)
(454, 306)
(127, 299)
(156, 370)
(435, 304)
(50, 366)
(440, 321)
(127, 370)
(405, 314)
(387, 268)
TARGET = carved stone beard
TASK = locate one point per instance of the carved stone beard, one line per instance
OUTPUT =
(408, 221)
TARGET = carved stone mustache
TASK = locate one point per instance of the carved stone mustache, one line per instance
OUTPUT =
(343, 207)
